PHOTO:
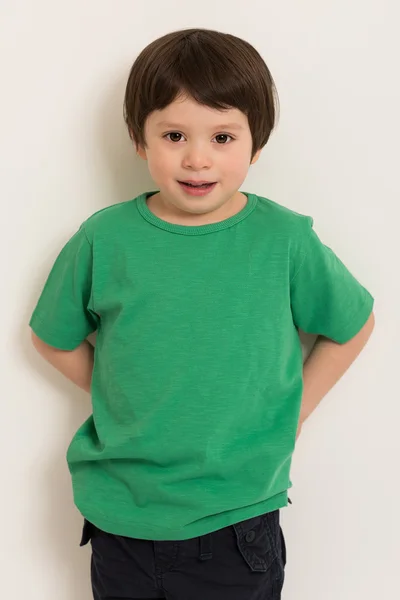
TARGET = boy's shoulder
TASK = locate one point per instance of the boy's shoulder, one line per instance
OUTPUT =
(280, 218)
(110, 218)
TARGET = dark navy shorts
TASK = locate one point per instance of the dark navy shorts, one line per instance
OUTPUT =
(245, 561)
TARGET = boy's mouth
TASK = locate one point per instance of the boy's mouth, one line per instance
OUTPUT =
(197, 183)
(197, 188)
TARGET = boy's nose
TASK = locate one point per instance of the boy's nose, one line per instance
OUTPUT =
(196, 159)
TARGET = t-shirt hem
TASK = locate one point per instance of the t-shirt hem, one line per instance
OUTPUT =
(52, 338)
(357, 322)
(139, 530)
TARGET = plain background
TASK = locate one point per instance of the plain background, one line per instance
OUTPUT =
(65, 154)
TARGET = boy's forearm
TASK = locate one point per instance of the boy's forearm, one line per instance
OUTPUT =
(326, 364)
(76, 365)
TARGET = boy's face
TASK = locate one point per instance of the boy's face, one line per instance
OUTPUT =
(189, 142)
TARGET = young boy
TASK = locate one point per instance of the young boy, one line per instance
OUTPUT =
(197, 292)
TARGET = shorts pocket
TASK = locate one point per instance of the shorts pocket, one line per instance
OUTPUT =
(257, 540)
(283, 546)
(87, 532)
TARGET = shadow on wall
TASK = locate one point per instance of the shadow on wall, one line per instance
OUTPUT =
(54, 514)
(127, 174)
(57, 519)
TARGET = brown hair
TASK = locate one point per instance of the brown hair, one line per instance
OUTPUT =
(216, 69)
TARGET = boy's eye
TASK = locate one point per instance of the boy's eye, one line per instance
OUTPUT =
(174, 136)
(221, 138)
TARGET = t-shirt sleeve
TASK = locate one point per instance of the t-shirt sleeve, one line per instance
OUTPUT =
(64, 315)
(326, 298)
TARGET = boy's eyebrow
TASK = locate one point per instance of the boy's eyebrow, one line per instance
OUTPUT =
(180, 126)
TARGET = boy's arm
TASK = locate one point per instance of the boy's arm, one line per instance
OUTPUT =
(326, 364)
(76, 365)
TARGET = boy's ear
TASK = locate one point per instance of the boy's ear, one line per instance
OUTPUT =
(141, 152)
(139, 149)
(256, 157)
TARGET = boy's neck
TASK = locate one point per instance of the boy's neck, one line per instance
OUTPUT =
(164, 211)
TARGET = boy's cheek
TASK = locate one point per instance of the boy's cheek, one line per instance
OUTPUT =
(161, 172)
(162, 164)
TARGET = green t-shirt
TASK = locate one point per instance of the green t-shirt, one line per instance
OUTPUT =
(197, 381)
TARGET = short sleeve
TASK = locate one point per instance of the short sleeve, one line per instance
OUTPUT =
(64, 315)
(326, 299)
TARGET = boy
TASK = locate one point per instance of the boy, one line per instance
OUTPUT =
(197, 292)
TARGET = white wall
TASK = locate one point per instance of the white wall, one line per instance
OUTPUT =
(65, 154)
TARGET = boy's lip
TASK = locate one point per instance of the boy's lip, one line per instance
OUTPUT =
(195, 182)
